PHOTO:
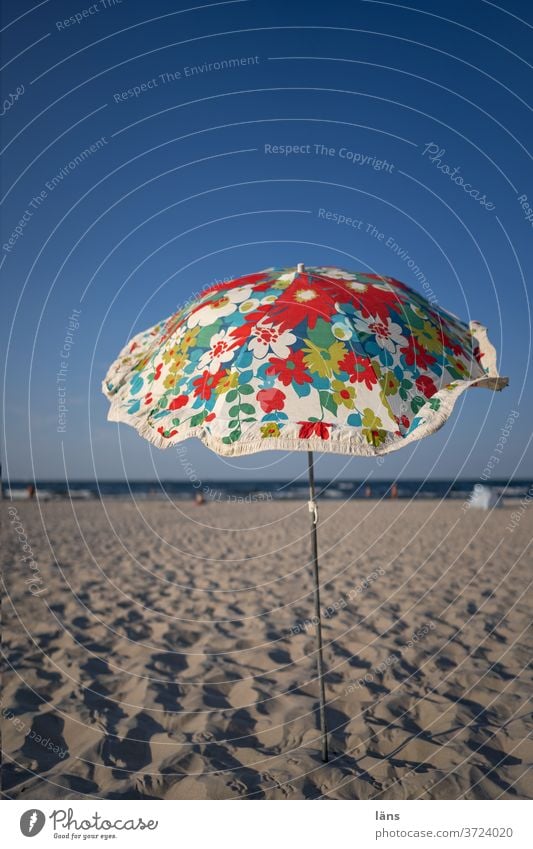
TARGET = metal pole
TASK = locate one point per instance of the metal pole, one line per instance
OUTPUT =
(314, 552)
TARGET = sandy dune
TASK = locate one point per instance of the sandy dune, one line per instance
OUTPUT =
(169, 656)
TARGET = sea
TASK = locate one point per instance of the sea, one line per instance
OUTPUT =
(246, 490)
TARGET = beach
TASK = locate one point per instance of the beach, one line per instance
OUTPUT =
(161, 650)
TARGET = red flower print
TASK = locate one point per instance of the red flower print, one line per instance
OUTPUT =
(309, 429)
(454, 346)
(271, 399)
(478, 355)
(262, 287)
(207, 383)
(210, 417)
(293, 369)
(148, 398)
(178, 402)
(425, 385)
(166, 434)
(417, 356)
(157, 373)
(307, 299)
(377, 302)
(133, 346)
(359, 369)
(257, 315)
(242, 334)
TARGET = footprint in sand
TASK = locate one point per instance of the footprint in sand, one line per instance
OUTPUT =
(237, 786)
(286, 789)
(202, 737)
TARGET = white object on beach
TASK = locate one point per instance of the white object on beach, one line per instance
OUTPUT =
(483, 498)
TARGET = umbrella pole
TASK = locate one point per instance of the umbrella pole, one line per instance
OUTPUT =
(314, 551)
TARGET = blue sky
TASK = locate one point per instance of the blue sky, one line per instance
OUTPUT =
(178, 190)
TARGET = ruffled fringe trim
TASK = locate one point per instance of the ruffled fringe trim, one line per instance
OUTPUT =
(343, 439)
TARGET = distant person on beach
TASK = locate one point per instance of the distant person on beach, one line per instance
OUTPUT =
(368, 491)
(394, 491)
(31, 491)
(199, 499)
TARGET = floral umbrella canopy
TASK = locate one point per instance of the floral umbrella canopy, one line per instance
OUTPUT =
(300, 359)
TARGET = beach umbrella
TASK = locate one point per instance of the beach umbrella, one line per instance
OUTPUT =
(301, 359)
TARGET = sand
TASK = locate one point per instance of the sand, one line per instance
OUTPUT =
(163, 652)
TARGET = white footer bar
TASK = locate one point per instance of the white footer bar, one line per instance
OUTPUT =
(232, 824)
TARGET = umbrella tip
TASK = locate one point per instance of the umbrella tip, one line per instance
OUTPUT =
(300, 268)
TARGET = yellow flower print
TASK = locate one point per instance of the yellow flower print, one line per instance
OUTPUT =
(429, 337)
(343, 394)
(373, 428)
(230, 381)
(389, 383)
(269, 430)
(323, 361)
(188, 339)
(169, 354)
(171, 380)
(178, 363)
